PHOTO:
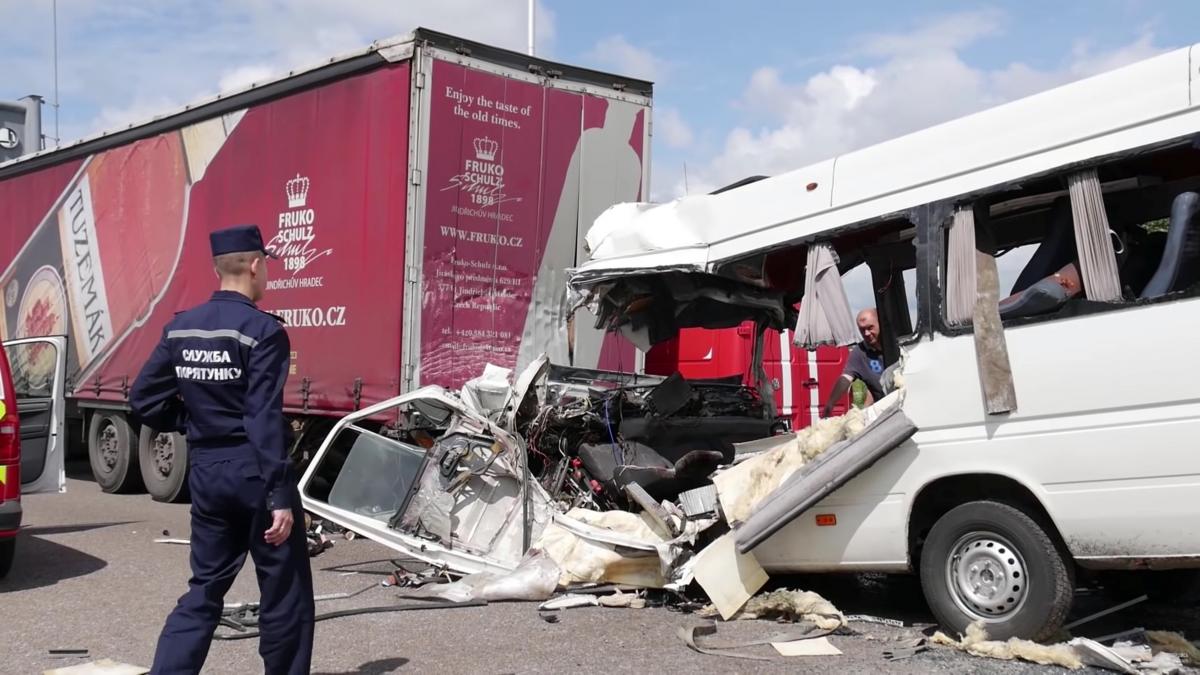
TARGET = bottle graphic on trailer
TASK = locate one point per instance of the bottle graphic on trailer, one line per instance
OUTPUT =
(96, 265)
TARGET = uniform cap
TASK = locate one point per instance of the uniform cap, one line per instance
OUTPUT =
(238, 239)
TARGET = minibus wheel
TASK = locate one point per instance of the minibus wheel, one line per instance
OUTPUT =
(991, 562)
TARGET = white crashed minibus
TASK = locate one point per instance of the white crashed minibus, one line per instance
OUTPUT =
(1058, 417)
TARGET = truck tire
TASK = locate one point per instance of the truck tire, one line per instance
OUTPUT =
(164, 462)
(8, 550)
(112, 452)
(990, 562)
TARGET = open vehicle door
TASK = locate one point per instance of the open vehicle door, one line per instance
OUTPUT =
(39, 371)
(439, 482)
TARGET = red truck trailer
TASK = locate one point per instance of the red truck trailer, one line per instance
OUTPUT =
(425, 197)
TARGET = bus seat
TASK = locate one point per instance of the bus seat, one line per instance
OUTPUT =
(1180, 265)
(1056, 250)
(1045, 296)
(1143, 252)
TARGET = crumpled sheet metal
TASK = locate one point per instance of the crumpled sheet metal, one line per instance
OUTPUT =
(486, 394)
(536, 578)
(1126, 658)
(583, 547)
(639, 230)
(1146, 660)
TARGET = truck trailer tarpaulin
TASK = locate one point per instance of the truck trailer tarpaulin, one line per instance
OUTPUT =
(425, 197)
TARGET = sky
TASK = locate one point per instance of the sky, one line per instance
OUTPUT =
(741, 88)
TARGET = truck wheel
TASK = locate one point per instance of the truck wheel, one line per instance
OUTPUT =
(111, 451)
(990, 562)
(164, 461)
(8, 550)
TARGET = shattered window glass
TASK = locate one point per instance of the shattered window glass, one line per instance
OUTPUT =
(375, 473)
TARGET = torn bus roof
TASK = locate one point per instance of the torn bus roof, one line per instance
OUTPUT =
(942, 162)
(651, 308)
(649, 235)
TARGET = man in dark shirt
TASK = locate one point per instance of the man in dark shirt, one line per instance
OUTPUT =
(865, 362)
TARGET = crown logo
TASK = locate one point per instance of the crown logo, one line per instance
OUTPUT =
(297, 191)
(486, 149)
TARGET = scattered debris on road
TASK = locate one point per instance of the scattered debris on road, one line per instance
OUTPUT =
(865, 618)
(570, 601)
(906, 649)
(68, 653)
(696, 637)
(976, 643)
(101, 667)
(177, 542)
(1111, 610)
(1175, 643)
(1126, 657)
(791, 606)
(814, 647)
(625, 600)
(1165, 654)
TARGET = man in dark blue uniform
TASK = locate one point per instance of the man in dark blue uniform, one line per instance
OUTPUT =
(217, 375)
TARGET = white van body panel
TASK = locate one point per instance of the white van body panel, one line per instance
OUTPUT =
(1106, 434)
(1106, 437)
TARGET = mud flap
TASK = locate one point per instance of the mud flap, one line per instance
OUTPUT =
(824, 474)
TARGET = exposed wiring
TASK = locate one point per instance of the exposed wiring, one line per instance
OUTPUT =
(618, 455)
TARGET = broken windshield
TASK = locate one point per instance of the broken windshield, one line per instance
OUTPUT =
(348, 475)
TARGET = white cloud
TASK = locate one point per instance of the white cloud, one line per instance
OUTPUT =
(122, 59)
(915, 79)
(140, 110)
(950, 32)
(244, 76)
(617, 53)
(671, 128)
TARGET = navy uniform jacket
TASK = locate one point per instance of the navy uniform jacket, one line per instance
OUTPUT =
(217, 375)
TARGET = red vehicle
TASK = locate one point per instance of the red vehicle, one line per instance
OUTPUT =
(425, 196)
(803, 379)
(31, 430)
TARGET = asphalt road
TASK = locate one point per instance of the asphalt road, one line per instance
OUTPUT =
(89, 576)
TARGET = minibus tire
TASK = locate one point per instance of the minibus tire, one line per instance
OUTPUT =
(112, 453)
(1016, 577)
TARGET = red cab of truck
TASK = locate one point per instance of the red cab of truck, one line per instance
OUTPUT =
(802, 378)
(31, 430)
